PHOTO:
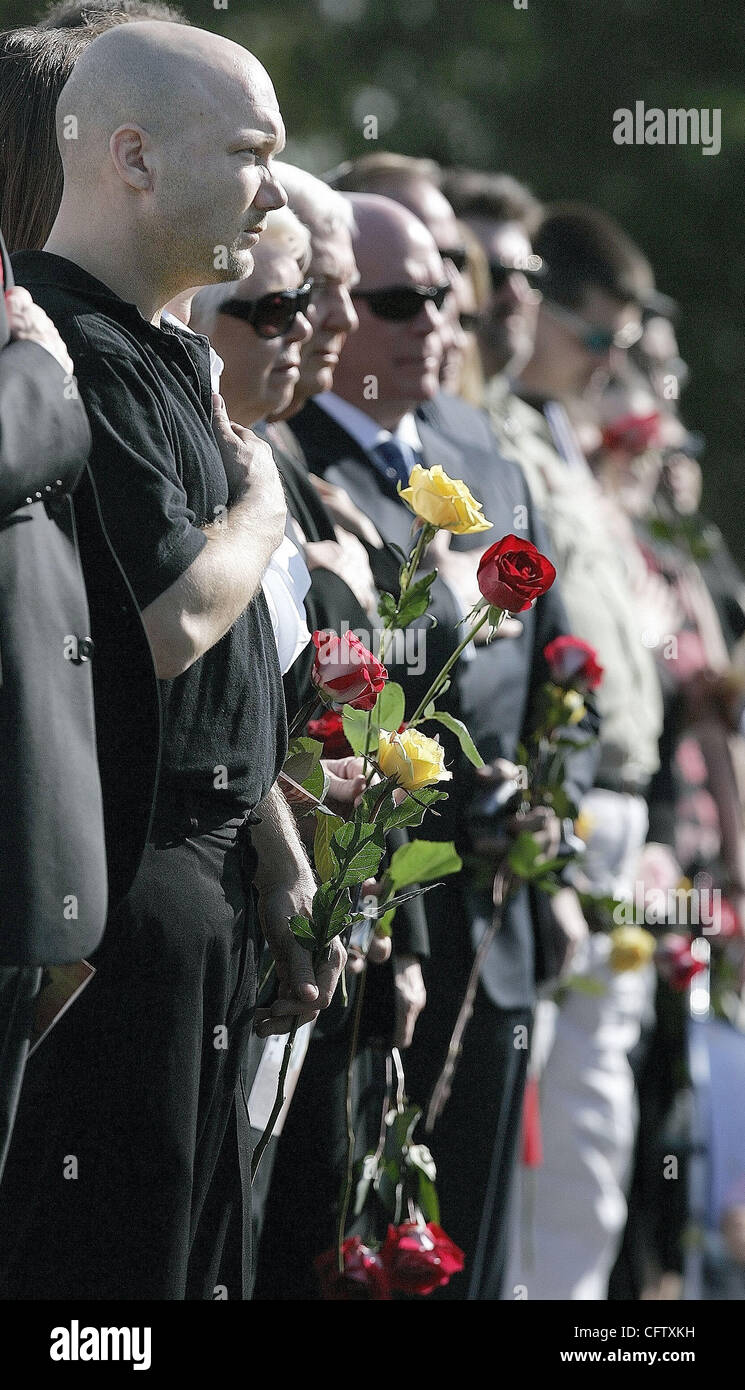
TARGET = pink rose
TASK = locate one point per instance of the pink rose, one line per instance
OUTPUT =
(345, 672)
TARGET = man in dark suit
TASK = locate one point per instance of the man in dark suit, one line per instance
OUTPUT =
(385, 414)
(52, 857)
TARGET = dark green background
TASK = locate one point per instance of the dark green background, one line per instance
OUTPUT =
(533, 91)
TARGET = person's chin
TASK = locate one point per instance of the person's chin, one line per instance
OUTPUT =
(313, 382)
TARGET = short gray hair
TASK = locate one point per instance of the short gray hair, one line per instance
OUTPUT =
(321, 208)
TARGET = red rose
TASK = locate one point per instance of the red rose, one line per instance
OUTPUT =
(364, 1273)
(419, 1259)
(572, 660)
(345, 671)
(513, 574)
(675, 963)
(329, 730)
(632, 433)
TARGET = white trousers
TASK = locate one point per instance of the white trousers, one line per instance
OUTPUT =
(571, 1211)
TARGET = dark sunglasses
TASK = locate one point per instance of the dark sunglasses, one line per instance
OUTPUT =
(595, 339)
(402, 302)
(272, 314)
(457, 254)
(534, 271)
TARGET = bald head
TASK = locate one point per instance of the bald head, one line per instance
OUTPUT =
(399, 351)
(166, 134)
(166, 78)
(390, 241)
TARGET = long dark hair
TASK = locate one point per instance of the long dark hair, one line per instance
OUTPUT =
(34, 67)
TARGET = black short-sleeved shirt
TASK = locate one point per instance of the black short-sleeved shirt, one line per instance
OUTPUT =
(160, 478)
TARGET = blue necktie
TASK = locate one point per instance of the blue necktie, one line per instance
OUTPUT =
(394, 460)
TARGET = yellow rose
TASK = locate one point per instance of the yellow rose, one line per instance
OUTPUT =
(631, 948)
(412, 758)
(443, 501)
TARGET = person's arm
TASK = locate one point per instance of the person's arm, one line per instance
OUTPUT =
(285, 883)
(191, 580)
(44, 435)
(196, 611)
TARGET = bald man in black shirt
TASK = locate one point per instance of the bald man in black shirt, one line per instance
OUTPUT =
(142, 1084)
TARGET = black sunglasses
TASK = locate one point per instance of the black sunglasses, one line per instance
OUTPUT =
(402, 302)
(534, 271)
(272, 314)
(457, 254)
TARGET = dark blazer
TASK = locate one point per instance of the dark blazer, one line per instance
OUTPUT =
(52, 858)
(495, 691)
(59, 849)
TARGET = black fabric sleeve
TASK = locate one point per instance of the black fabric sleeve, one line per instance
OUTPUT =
(142, 497)
(44, 435)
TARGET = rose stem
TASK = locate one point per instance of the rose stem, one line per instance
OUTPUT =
(438, 680)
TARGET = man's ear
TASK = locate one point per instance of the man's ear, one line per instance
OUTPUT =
(131, 151)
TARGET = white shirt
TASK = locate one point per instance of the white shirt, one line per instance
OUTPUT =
(365, 431)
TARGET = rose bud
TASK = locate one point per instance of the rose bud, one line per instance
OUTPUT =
(364, 1273)
(345, 672)
(329, 730)
(420, 1259)
(412, 758)
(574, 662)
(512, 574)
(443, 502)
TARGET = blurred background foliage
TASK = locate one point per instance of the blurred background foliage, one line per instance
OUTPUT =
(533, 90)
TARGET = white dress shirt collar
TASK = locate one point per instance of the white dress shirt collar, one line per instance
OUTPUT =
(364, 430)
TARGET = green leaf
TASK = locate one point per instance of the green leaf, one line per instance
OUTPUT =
(423, 860)
(323, 856)
(412, 810)
(355, 724)
(359, 847)
(383, 924)
(387, 607)
(427, 1199)
(415, 601)
(400, 1126)
(523, 855)
(457, 727)
(387, 1184)
(561, 803)
(330, 919)
(303, 756)
(389, 709)
(302, 929)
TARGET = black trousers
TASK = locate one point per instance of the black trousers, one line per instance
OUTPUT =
(475, 1141)
(18, 990)
(129, 1173)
